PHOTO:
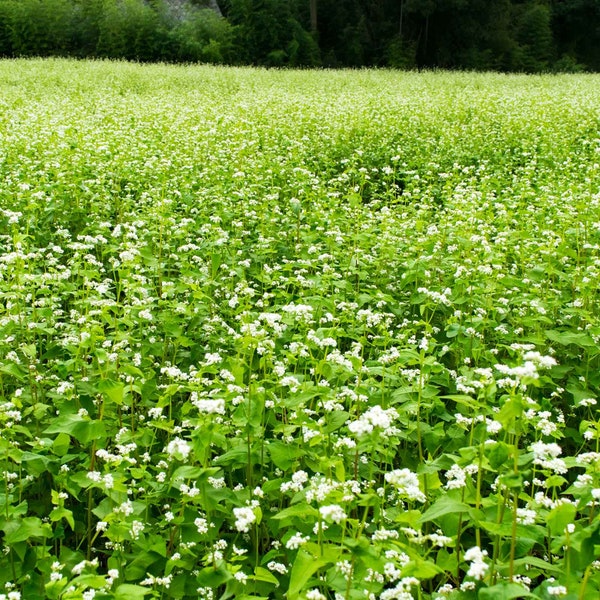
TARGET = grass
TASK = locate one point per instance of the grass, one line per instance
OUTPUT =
(298, 334)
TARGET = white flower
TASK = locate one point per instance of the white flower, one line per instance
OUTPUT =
(493, 426)
(178, 449)
(406, 483)
(277, 567)
(101, 526)
(588, 402)
(556, 590)
(212, 358)
(155, 412)
(136, 528)
(374, 417)
(208, 406)
(544, 362)
(457, 478)
(526, 516)
(477, 568)
(244, 516)
(296, 541)
(546, 456)
(241, 577)
(332, 513)
(291, 382)
(94, 476)
(126, 508)
(201, 524)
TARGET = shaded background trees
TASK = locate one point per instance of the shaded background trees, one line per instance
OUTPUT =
(505, 35)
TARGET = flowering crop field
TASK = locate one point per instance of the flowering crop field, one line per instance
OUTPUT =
(301, 335)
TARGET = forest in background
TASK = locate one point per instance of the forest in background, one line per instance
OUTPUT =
(502, 35)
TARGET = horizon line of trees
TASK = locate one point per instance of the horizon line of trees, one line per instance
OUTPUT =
(502, 35)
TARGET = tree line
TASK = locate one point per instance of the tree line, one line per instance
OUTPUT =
(503, 35)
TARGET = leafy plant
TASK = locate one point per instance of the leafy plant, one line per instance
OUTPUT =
(272, 334)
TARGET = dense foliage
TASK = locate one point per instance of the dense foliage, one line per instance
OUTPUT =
(502, 35)
(321, 335)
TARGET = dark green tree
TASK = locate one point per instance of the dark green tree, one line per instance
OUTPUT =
(534, 35)
(268, 33)
(202, 36)
(576, 30)
(40, 27)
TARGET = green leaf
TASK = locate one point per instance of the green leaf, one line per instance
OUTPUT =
(138, 567)
(511, 410)
(82, 430)
(443, 506)
(497, 454)
(211, 577)
(566, 338)
(90, 580)
(304, 567)
(62, 513)
(463, 399)
(335, 420)
(262, 574)
(36, 463)
(54, 589)
(127, 591)
(284, 455)
(188, 472)
(504, 591)
(237, 457)
(61, 444)
(560, 517)
(555, 481)
(24, 529)
(453, 330)
(301, 510)
(14, 370)
(422, 569)
(538, 563)
(113, 390)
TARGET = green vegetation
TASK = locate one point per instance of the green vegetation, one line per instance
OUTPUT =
(302, 335)
(501, 35)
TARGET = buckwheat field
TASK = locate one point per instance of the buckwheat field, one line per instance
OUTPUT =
(304, 335)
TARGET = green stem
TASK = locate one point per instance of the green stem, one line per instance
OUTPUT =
(513, 537)
(586, 576)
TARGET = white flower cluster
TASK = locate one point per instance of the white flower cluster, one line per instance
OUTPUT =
(374, 417)
(402, 590)
(457, 476)
(244, 517)
(152, 580)
(478, 567)
(406, 484)
(302, 312)
(526, 516)
(533, 361)
(546, 455)
(332, 513)
(178, 449)
(208, 406)
(296, 541)
(439, 298)
(299, 478)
